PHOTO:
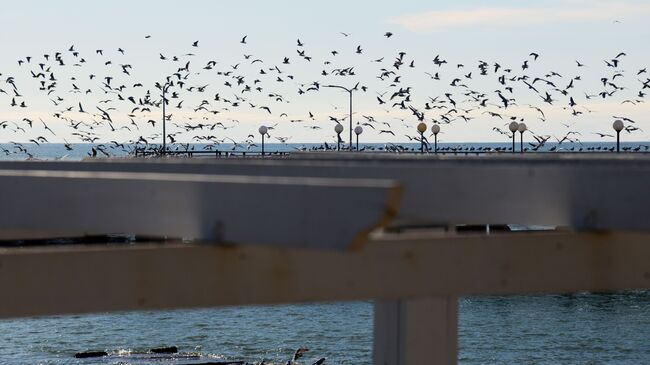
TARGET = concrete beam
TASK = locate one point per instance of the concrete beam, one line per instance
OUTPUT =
(55, 280)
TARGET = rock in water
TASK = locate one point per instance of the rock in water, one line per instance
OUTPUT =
(165, 350)
(86, 354)
(220, 363)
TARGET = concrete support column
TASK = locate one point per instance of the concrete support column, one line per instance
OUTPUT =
(416, 331)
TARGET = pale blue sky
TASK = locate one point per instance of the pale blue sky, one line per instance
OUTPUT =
(459, 31)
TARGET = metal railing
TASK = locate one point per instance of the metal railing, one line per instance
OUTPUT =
(455, 151)
(216, 153)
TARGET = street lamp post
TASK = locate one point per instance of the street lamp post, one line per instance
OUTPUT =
(350, 92)
(422, 128)
(618, 127)
(522, 128)
(514, 126)
(435, 129)
(338, 129)
(263, 130)
(358, 130)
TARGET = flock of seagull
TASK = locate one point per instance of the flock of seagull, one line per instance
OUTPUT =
(203, 100)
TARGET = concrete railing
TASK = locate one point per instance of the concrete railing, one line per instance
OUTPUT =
(310, 228)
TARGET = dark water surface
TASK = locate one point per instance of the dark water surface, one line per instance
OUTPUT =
(541, 329)
(556, 329)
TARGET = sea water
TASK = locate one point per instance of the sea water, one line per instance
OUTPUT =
(583, 328)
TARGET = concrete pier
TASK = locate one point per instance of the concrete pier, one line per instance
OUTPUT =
(414, 276)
